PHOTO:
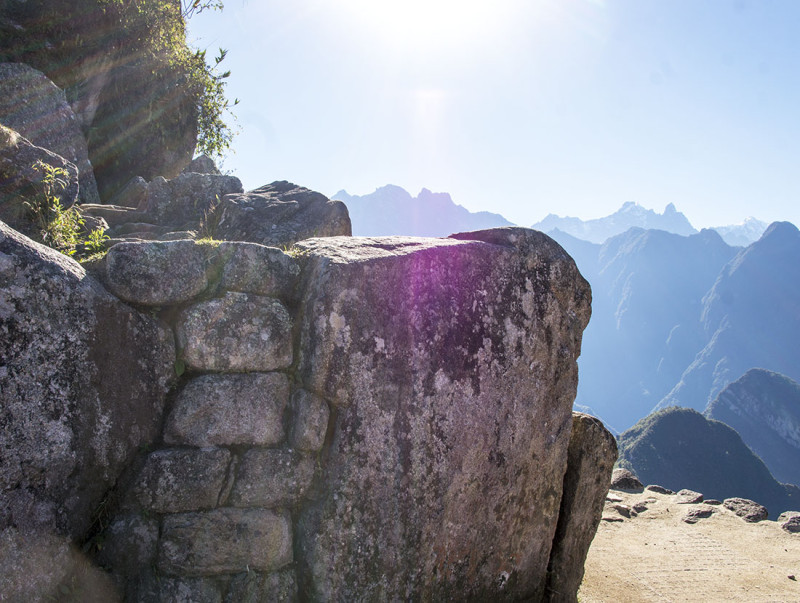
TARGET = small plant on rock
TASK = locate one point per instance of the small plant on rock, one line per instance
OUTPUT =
(96, 241)
(58, 227)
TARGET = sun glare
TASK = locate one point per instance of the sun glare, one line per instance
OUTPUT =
(425, 25)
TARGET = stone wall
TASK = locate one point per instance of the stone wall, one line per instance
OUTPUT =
(357, 419)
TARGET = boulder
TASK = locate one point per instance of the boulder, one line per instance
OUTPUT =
(202, 165)
(280, 214)
(451, 368)
(83, 380)
(790, 521)
(36, 108)
(21, 182)
(746, 509)
(591, 456)
(624, 479)
(695, 515)
(188, 200)
(688, 497)
(133, 194)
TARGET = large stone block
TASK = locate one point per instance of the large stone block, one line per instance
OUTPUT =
(452, 367)
(237, 332)
(178, 480)
(254, 268)
(271, 478)
(83, 380)
(215, 410)
(591, 456)
(157, 273)
(225, 541)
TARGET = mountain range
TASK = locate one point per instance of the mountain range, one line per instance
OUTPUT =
(764, 408)
(677, 318)
(391, 210)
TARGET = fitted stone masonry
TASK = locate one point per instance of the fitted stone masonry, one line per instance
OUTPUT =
(358, 420)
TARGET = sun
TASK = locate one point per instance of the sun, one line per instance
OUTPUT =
(426, 25)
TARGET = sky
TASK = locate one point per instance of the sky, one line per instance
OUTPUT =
(521, 107)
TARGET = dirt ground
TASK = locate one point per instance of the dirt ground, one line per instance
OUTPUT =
(656, 556)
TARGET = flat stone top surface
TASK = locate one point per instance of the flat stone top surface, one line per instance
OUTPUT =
(350, 249)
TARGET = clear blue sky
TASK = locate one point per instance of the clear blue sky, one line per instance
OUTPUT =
(522, 107)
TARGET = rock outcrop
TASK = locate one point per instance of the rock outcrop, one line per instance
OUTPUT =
(125, 77)
(590, 459)
(355, 419)
(280, 214)
(83, 380)
(36, 108)
(199, 205)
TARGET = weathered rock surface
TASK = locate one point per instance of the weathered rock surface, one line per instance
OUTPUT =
(130, 543)
(186, 200)
(746, 509)
(447, 361)
(178, 480)
(20, 182)
(36, 108)
(790, 521)
(689, 497)
(157, 273)
(311, 421)
(238, 332)
(202, 165)
(201, 543)
(258, 269)
(695, 515)
(280, 214)
(253, 587)
(83, 379)
(227, 410)
(625, 479)
(591, 456)
(270, 478)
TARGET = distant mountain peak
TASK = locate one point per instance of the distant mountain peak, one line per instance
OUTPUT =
(391, 210)
(629, 215)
